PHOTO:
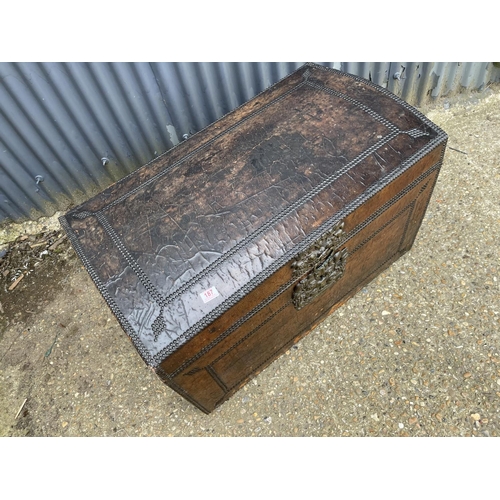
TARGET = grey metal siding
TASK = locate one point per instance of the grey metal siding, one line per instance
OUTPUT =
(58, 121)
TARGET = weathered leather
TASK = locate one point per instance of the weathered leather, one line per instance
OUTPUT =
(233, 205)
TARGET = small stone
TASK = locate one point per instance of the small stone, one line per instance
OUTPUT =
(484, 420)
(413, 420)
(476, 416)
(64, 424)
(439, 416)
(401, 426)
(467, 374)
(375, 417)
(385, 313)
(498, 381)
(239, 421)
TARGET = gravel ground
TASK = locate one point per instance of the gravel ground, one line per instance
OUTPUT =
(415, 353)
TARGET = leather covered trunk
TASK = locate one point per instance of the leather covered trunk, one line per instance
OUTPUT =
(221, 253)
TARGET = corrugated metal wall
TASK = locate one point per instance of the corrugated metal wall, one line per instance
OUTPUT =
(68, 130)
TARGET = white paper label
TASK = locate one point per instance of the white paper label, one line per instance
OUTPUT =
(209, 294)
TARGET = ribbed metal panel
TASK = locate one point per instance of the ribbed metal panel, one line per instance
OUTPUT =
(58, 120)
(415, 82)
(375, 72)
(197, 94)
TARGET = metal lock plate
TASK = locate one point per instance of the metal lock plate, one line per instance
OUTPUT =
(322, 264)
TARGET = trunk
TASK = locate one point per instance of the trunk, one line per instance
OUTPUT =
(223, 252)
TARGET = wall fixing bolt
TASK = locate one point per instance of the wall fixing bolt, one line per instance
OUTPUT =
(38, 179)
(105, 161)
(397, 75)
(185, 136)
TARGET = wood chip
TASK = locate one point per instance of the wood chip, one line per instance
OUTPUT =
(21, 409)
(34, 245)
(11, 287)
(57, 242)
(457, 150)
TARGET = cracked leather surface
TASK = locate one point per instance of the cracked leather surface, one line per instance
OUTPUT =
(236, 198)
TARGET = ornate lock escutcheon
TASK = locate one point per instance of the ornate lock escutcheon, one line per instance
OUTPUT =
(322, 264)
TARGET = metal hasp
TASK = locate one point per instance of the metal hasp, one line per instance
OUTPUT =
(323, 264)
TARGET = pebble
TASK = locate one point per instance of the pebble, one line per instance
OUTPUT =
(476, 416)
(385, 313)
(467, 374)
(401, 426)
